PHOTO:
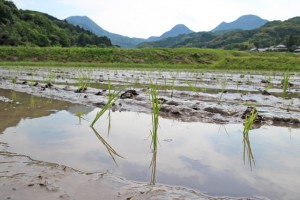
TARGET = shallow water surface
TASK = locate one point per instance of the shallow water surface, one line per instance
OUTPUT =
(206, 157)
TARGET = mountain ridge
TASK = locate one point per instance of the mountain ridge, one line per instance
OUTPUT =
(244, 22)
(271, 34)
(120, 40)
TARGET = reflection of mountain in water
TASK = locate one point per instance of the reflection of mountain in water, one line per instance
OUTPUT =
(12, 113)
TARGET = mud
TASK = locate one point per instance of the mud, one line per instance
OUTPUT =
(211, 97)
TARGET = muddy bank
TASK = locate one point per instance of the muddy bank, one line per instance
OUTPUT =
(24, 178)
(221, 102)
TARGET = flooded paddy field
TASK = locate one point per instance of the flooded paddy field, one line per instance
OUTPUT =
(48, 146)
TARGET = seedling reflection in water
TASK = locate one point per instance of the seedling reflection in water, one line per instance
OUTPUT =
(109, 148)
(249, 120)
(155, 115)
(80, 116)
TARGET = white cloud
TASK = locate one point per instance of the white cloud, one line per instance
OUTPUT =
(144, 18)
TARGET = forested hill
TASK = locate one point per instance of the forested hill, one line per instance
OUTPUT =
(271, 34)
(24, 27)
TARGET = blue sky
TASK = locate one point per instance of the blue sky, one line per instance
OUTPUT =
(144, 18)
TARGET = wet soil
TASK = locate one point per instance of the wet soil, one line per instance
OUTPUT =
(212, 97)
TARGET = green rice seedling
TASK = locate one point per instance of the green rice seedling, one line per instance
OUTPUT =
(172, 88)
(14, 80)
(269, 86)
(31, 82)
(166, 86)
(112, 152)
(249, 120)
(51, 77)
(80, 116)
(14, 96)
(83, 82)
(137, 82)
(32, 102)
(290, 104)
(192, 87)
(112, 98)
(223, 84)
(285, 83)
(155, 115)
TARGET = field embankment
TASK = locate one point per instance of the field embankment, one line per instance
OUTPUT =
(180, 58)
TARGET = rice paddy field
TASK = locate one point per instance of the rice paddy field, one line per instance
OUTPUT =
(149, 134)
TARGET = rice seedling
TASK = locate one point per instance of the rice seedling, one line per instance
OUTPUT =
(155, 115)
(112, 98)
(32, 102)
(268, 87)
(223, 84)
(112, 152)
(285, 83)
(80, 116)
(192, 87)
(137, 82)
(14, 96)
(14, 80)
(83, 82)
(249, 120)
(290, 104)
(51, 77)
(172, 88)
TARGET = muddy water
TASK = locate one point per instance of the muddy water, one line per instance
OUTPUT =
(205, 157)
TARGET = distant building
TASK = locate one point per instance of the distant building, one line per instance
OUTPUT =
(297, 50)
(280, 47)
(259, 49)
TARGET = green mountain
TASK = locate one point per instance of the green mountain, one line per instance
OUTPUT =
(24, 27)
(245, 22)
(123, 41)
(88, 24)
(271, 34)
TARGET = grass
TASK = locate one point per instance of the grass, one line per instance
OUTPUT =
(249, 120)
(156, 58)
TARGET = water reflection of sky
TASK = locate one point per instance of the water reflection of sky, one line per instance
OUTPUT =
(206, 157)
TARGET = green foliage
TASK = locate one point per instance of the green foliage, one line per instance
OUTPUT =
(30, 28)
(271, 34)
